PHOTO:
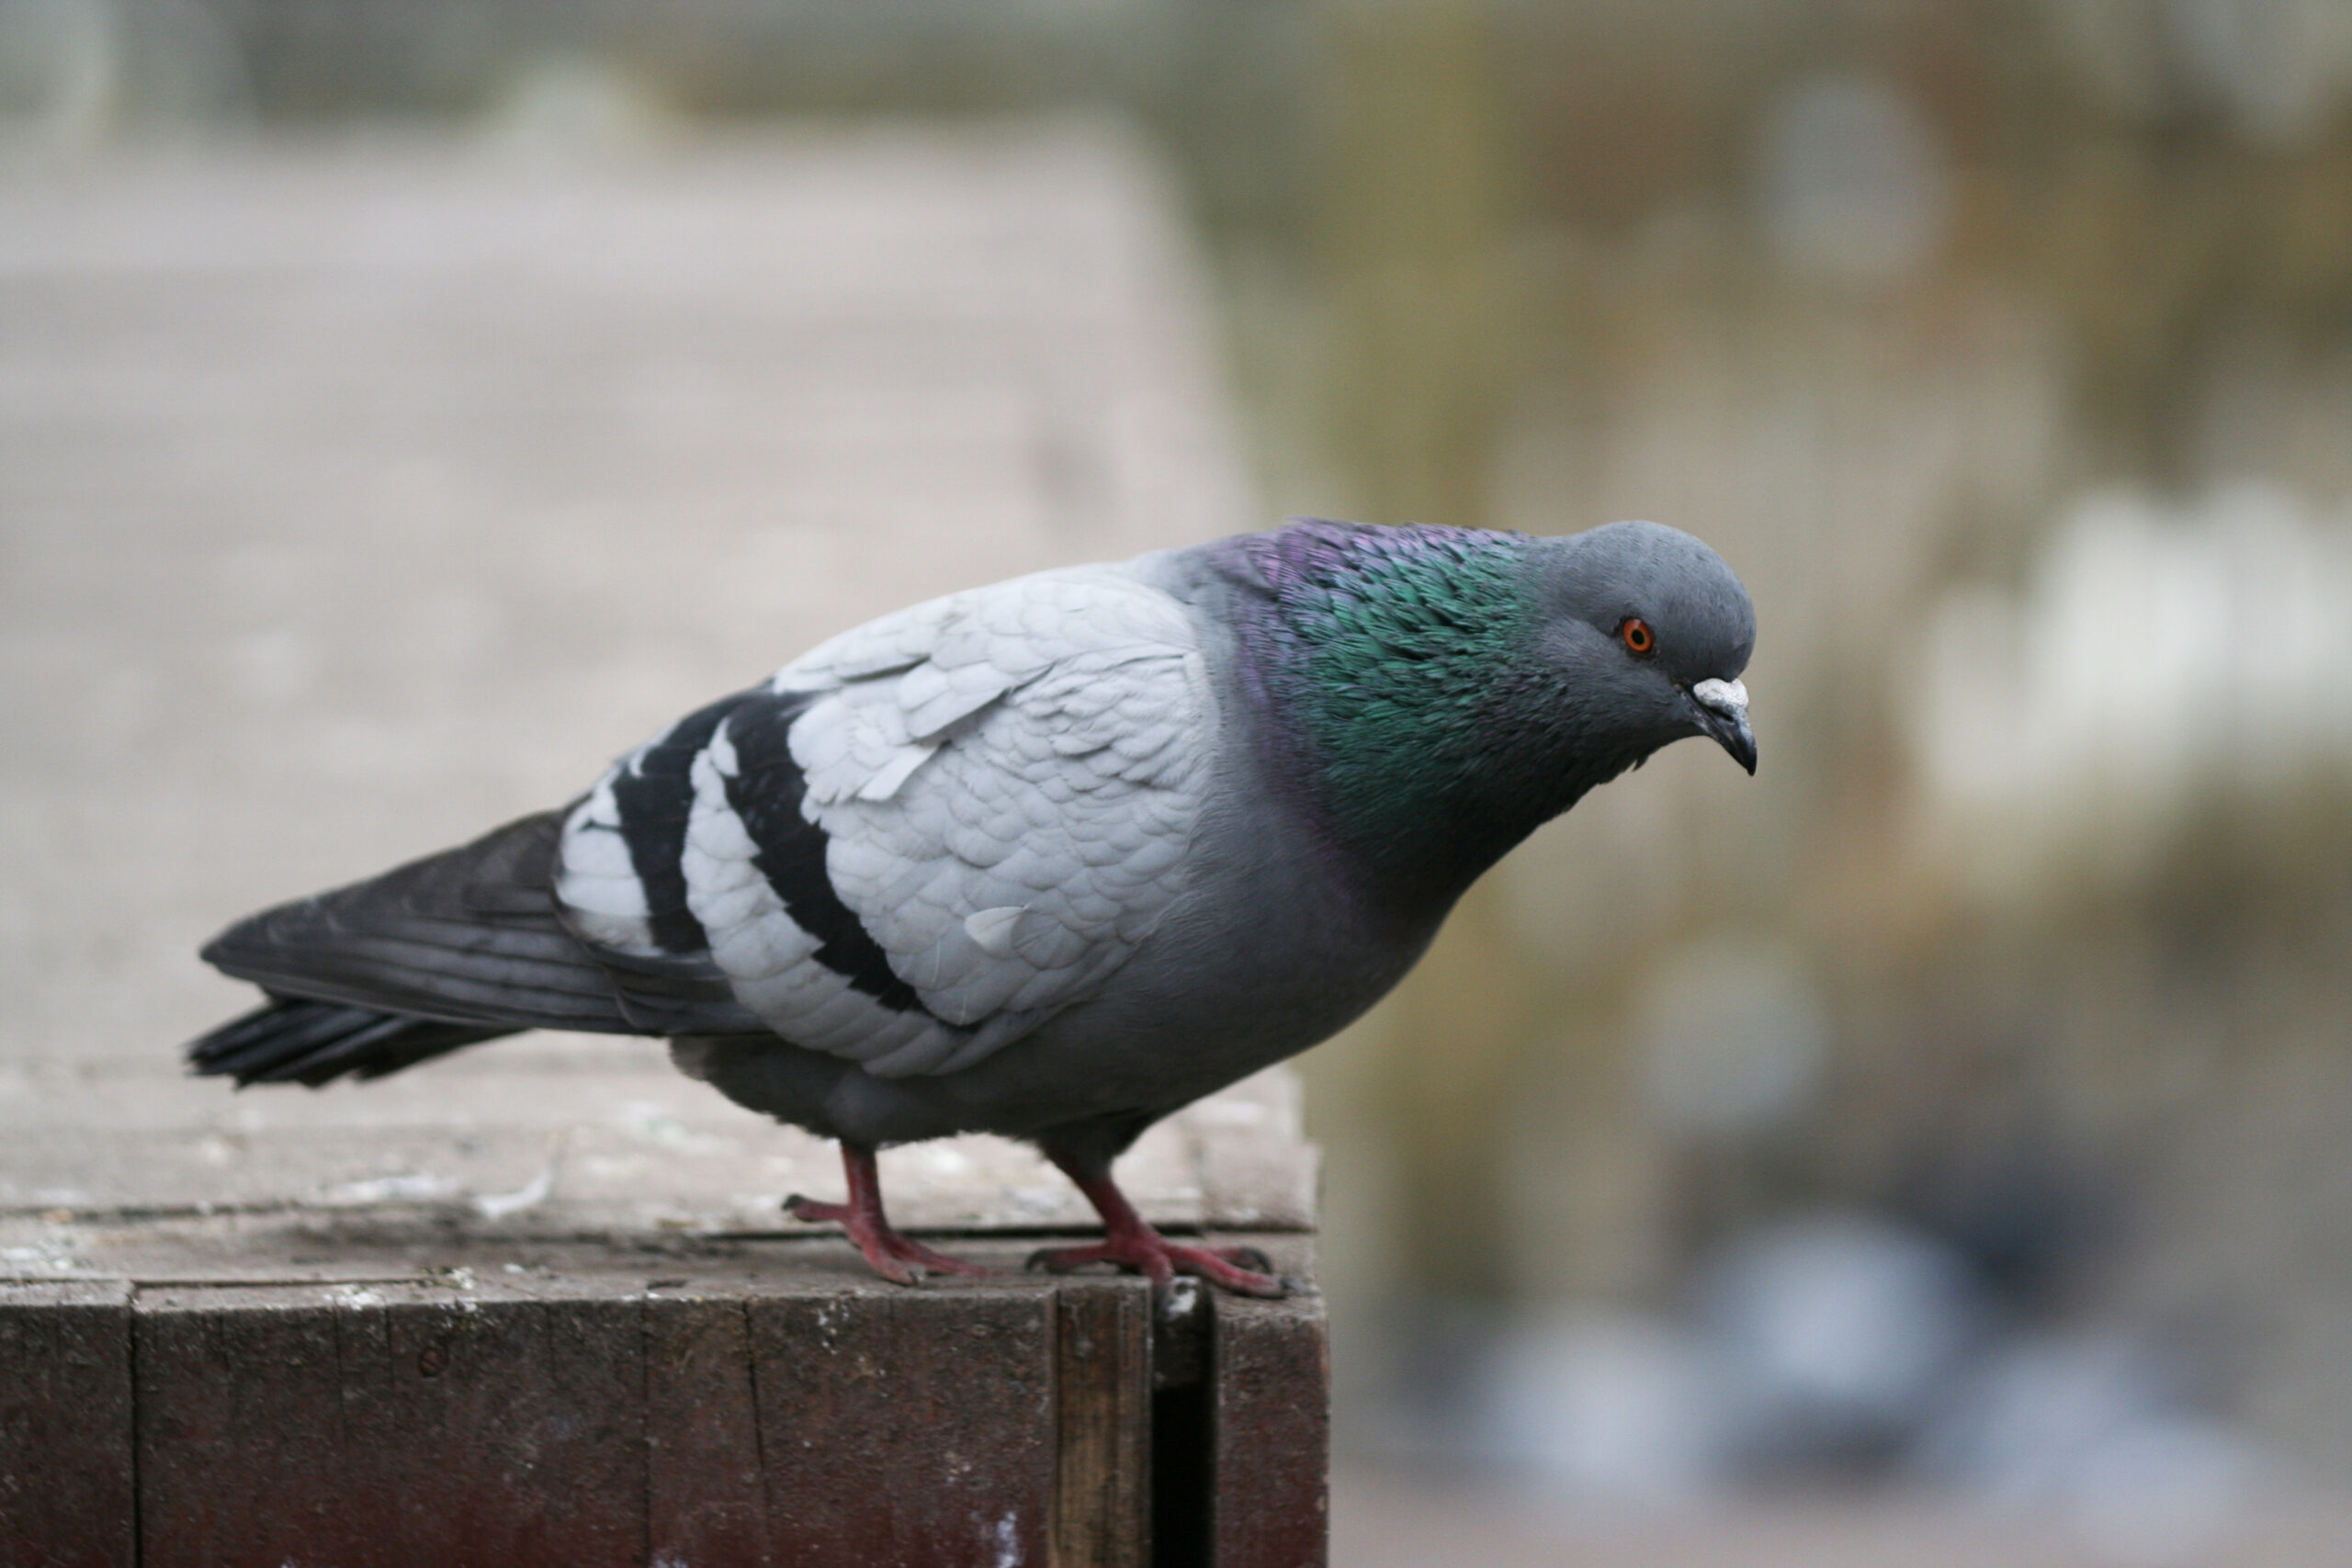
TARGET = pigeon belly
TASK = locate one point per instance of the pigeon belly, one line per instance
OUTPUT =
(1268, 952)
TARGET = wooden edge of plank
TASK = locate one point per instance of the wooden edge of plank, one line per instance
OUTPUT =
(1270, 1426)
(68, 1453)
(1102, 1421)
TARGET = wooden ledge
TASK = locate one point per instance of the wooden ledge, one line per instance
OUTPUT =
(720, 1402)
(351, 1340)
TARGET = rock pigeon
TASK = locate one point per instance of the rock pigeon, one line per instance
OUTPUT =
(1049, 859)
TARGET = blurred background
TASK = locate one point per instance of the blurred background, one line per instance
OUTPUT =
(1941, 1143)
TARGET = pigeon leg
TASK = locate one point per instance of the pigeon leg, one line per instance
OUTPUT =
(1131, 1243)
(896, 1258)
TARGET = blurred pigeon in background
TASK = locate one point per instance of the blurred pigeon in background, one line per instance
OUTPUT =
(1049, 859)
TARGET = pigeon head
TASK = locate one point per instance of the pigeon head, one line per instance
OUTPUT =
(1648, 627)
(1440, 693)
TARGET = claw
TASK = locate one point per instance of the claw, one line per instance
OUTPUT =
(1245, 1258)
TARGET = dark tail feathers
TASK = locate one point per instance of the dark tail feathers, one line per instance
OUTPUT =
(458, 947)
(293, 1040)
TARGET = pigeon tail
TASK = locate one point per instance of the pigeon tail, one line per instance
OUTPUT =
(296, 1040)
(469, 937)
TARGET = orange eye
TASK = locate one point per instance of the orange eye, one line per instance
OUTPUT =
(1636, 636)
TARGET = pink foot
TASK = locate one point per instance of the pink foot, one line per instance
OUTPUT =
(1131, 1243)
(898, 1259)
(1160, 1260)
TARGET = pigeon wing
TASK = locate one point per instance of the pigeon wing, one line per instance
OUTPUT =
(927, 836)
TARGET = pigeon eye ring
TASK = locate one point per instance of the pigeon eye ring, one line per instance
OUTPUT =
(1636, 634)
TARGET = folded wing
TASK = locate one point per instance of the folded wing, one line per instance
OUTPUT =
(926, 836)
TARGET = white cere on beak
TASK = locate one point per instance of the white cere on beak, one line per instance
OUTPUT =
(1728, 698)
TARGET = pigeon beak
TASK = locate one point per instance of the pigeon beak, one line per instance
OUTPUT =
(1722, 714)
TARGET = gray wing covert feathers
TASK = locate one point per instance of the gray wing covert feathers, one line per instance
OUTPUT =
(925, 837)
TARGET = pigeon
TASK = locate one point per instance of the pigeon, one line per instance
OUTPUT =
(1050, 858)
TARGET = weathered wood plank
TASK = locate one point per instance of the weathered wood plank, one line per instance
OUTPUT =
(66, 1471)
(511, 1431)
(908, 1427)
(705, 1491)
(1270, 1420)
(773, 1408)
(239, 1426)
(1102, 1403)
(389, 1426)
